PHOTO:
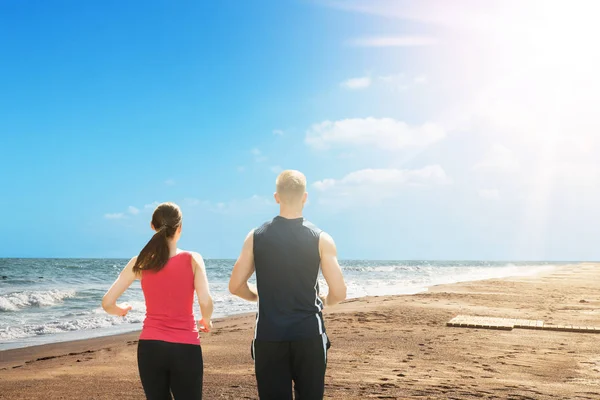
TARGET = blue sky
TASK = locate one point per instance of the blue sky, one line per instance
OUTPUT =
(427, 130)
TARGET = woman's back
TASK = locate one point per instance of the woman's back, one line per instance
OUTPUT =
(169, 353)
(169, 295)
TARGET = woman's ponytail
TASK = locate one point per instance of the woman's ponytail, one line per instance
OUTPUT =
(153, 257)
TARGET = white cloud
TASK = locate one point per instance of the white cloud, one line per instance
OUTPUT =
(385, 133)
(192, 201)
(258, 156)
(393, 41)
(151, 206)
(170, 182)
(490, 194)
(357, 83)
(278, 132)
(399, 81)
(461, 14)
(583, 174)
(371, 186)
(114, 216)
(420, 79)
(514, 18)
(276, 169)
(131, 210)
(402, 82)
(253, 205)
(393, 78)
(498, 159)
(396, 81)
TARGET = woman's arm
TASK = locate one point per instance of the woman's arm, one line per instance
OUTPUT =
(125, 279)
(203, 292)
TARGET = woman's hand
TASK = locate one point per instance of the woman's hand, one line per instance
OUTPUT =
(121, 310)
(204, 326)
(125, 279)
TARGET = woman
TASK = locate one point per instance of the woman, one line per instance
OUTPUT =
(169, 352)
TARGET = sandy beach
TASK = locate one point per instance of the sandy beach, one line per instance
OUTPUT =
(393, 347)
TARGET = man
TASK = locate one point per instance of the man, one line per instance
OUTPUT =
(290, 343)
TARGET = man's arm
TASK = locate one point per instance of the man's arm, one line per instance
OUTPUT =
(243, 270)
(203, 292)
(331, 270)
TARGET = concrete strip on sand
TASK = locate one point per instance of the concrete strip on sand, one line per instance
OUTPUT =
(479, 322)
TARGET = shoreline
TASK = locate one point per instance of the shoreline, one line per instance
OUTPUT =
(394, 347)
(74, 336)
(26, 355)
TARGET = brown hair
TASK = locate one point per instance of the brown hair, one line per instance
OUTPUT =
(291, 186)
(166, 219)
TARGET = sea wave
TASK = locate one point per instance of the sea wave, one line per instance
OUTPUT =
(25, 299)
(379, 268)
(20, 320)
(385, 280)
(54, 327)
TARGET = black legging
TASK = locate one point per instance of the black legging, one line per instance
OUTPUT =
(167, 368)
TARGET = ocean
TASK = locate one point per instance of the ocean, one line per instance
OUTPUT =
(53, 300)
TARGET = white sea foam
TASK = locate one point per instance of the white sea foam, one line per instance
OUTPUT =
(19, 300)
(80, 324)
(21, 325)
(401, 279)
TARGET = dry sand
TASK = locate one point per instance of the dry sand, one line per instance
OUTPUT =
(393, 347)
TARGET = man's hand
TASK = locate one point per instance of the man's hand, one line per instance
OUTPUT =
(324, 300)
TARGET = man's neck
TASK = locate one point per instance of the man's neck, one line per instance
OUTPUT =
(290, 213)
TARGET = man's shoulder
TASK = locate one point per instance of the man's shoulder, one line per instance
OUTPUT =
(262, 228)
(312, 227)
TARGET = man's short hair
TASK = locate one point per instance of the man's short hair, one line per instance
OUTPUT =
(291, 186)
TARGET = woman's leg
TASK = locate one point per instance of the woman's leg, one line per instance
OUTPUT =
(187, 371)
(153, 364)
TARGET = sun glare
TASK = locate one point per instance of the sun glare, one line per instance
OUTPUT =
(541, 91)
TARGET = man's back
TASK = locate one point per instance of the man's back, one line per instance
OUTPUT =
(287, 261)
(290, 343)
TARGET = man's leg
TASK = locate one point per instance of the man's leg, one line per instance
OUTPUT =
(309, 361)
(273, 370)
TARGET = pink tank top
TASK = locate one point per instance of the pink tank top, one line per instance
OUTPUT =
(169, 295)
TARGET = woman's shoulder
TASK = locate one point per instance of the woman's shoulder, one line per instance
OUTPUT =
(129, 268)
(194, 256)
(188, 253)
(132, 260)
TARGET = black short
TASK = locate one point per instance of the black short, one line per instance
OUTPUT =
(167, 368)
(278, 364)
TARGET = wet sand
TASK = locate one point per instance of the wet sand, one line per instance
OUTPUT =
(392, 347)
